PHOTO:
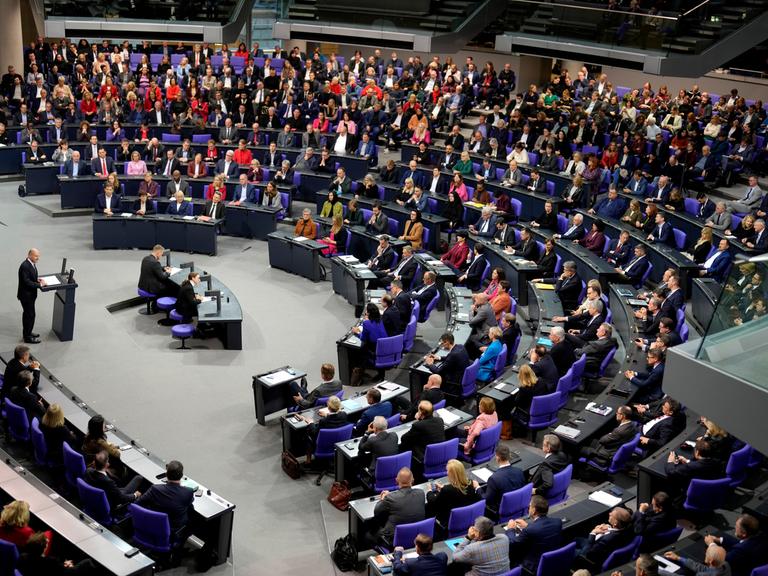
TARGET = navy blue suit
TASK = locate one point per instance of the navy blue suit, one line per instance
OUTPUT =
(82, 168)
(527, 545)
(720, 267)
(182, 211)
(416, 175)
(424, 565)
(378, 409)
(501, 481)
(598, 550)
(649, 384)
(619, 255)
(635, 269)
(745, 555)
(173, 499)
(665, 235)
(608, 208)
(706, 210)
(101, 203)
(673, 302)
(96, 165)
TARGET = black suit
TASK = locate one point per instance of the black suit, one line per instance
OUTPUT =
(568, 290)
(604, 448)
(505, 236)
(115, 495)
(475, 273)
(596, 352)
(27, 294)
(173, 499)
(404, 306)
(392, 323)
(662, 432)
(382, 444)
(11, 377)
(544, 477)
(451, 369)
(527, 249)
(546, 372)
(217, 213)
(421, 434)
(186, 303)
(154, 279)
(423, 294)
(703, 468)
(563, 356)
(21, 396)
(598, 550)
(651, 523)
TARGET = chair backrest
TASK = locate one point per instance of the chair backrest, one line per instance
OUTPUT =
(95, 502)
(485, 445)
(393, 420)
(621, 555)
(169, 137)
(684, 332)
(513, 351)
(74, 465)
(645, 277)
(562, 223)
(760, 571)
(387, 467)
(436, 456)
(680, 238)
(439, 405)
(9, 556)
(468, 386)
(18, 422)
(409, 336)
(501, 361)
(200, 138)
(691, 206)
(652, 542)
(406, 533)
(607, 360)
(544, 409)
(578, 370)
(486, 273)
(558, 264)
(623, 455)
(559, 491)
(323, 400)
(706, 495)
(557, 562)
(514, 504)
(564, 387)
(516, 207)
(462, 518)
(38, 444)
(389, 351)
(327, 439)
(607, 245)
(737, 466)
(415, 308)
(680, 319)
(430, 306)
(150, 529)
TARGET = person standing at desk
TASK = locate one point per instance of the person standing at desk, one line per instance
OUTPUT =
(26, 293)
(154, 278)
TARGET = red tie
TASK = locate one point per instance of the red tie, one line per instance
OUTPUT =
(103, 166)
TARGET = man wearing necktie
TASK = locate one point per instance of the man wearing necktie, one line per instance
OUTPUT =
(102, 165)
(750, 201)
(214, 209)
(636, 268)
(27, 294)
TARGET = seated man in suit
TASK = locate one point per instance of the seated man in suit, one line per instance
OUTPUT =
(424, 292)
(22, 396)
(481, 318)
(425, 563)
(562, 351)
(602, 450)
(98, 476)
(431, 392)
(244, 192)
(401, 300)
(580, 337)
(377, 442)
(611, 206)
(451, 367)
(154, 278)
(485, 226)
(378, 223)
(426, 429)
(555, 460)
(168, 165)
(404, 271)
(380, 262)
(329, 385)
(402, 506)
(714, 564)
(170, 498)
(107, 202)
(680, 470)
(481, 551)
(505, 234)
(648, 382)
(745, 549)
(634, 270)
(656, 517)
(662, 233)
(375, 408)
(527, 248)
(637, 184)
(472, 278)
(214, 208)
(596, 350)
(75, 167)
(544, 367)
(143, 206)
(660, 422)
(228, 166)
(529, 539)
(619, 250)
(575, 231)
(718, 264)
(179, 206)
(390, 316)
(605, 538)
(176, 184)
(103, 165)
(505, 478)
(21, 362)
(567, 286)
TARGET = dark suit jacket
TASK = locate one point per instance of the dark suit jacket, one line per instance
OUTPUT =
(704, 468)
(451, 369)
(745, 555)
(475, 273)
(384, 260)
(378, 409)
(175, 165)
(218, 213)
(543, 478)
(529, 250)
(423, 565)
(21, 396)
(82, 168)
(96, 165)
(381, 444)
(186, 303)
(619, 255)
(11, 376)
(663, 432)
(182, 211)
(608, 444)
(422, 433)
(115, 496)
(598, 550)
(392, 322)
(664, 235)
(501, 481)
(149, 206)
(28, 285)
(402, 506)
(527, 545)
(568, 290)
(101, 203)
(596, 352)
(152, 276)
(404, 306)
(173, 499)
(424, 297)
(407, 272)
(654, 522)
(563, 356)
(546, 372)
(649, 384)
(634, 270)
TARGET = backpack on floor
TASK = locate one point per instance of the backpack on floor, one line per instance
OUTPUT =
(345, 553)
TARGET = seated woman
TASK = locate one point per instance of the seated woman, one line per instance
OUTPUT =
(216, 186)
(271, 196)
(453, 212)
(547, 220)
(529, 388)
(703, 246)
(457, 493)
(487, 418)
(332, 207)
(14, 525)
(56, 432)
(368, 188)
(676, 202)
(413, 230)
(502, 301)
(371, 329)
(497, 275)
(548, 259)
(485, 372)
(336, 239)
(722, 443)
(355, 216)
(96, 440)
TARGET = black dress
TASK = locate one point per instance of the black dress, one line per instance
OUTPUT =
(548, 262)
(701, 252)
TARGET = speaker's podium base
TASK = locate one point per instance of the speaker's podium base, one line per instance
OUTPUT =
(63, 307)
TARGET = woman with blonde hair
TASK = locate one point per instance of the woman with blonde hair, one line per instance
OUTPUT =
(703, 245)
(634, 213)
(722, 443)
(55, 432)
(530, 386)
(487, 417)
(336, 240)
(457, 493)
(14, 525)
(216, 186)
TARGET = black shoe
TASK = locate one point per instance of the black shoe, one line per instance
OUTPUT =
(32, 340)
(35, 335)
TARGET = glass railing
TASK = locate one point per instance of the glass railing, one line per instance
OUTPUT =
(220, 11)
(736, 339)
(691, 27)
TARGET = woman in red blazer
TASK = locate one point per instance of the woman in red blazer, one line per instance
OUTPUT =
(216, 186)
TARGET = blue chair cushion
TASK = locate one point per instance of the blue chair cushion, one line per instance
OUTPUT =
(182, 330)
(176, 316)
(145, 294)
(166, 302)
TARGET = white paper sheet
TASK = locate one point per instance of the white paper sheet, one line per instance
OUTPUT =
(605, 499)
(50, 280)
(666, 565)
(279, 376)
(482, 473)
(447, 417)
(174, 270)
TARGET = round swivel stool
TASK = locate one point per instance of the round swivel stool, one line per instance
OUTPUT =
(166, 304)
(183, 331)
(149, 297)
(176, 317)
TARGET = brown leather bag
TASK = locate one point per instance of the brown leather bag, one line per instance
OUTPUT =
(290, 465)
(340, 495)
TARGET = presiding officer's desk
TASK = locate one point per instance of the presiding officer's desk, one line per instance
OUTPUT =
(228, 321)
(272, 392)
(518, 271)
(213, 516)
(651, 472)
(296, 254)
(295, 429)
(348, 462)
(181, 233)
(69, 523)
(543, 304)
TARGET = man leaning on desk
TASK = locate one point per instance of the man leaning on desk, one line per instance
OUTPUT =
(154, 277)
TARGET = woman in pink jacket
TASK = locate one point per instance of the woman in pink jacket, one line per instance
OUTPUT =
(486, 419)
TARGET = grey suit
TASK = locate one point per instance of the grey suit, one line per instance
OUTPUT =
(324, 390)
(382, 444)
(750, 201)
(720, 221)
(402, 506)
(172, 187)
(483, 319)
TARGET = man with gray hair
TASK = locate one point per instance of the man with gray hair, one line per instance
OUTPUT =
(580, 337)
(567, 285)
(555, 460)
(562, 350)
(598, 348)
(714, 562)
(485, 226)
(750, 200)
(378, 442)
(759, 241)
(482, 318)
(645, 565)
(575, 231)
(482, 551)
(720, 219)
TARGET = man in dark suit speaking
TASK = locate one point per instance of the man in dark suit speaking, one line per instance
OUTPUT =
(154, 278)
(27, 294)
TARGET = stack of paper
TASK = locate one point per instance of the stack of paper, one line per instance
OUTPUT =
(50, 280)
(599, 409)
(301, 239)
(542, 286)
(277, 377)
(605, 499)
(347, 258)
(126, 214)
(447, 416)
(567, 431)
(174, 270)
(188, 218)
(483, 473)
(666, 565)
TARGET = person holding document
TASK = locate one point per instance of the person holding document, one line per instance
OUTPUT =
(27, 294)
(154, 278)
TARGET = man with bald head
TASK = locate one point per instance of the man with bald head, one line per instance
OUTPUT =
(605, 538)
(431, 393)
(714, 562)
(29, 283)
(403, 506)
